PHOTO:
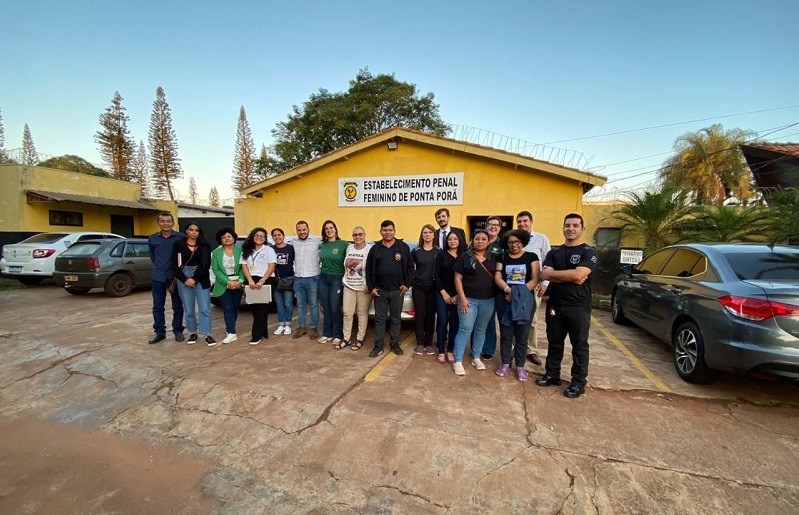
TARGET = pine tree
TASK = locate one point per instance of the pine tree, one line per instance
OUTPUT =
(29, 155)
(163, 148)
(4, 157)
(192, 191)
(244, 161)
(141, 170)
(213, 198)
(116, 145)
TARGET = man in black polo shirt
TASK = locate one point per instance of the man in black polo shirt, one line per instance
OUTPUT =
(568, 269)
(388, 277)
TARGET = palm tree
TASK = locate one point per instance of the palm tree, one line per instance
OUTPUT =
(710, 165)
(784, 210)
(727, 224)
(657, 216)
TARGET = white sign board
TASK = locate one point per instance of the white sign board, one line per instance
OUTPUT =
(404, 190)
(631, 257)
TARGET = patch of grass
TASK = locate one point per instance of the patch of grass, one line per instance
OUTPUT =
(10, 284)
(600, 301)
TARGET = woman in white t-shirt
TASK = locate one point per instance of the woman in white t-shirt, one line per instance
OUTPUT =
(356, 296)
(258, 264)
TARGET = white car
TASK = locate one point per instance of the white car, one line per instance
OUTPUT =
(33, 260)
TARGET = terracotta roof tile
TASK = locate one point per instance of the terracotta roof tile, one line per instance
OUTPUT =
(782, 148)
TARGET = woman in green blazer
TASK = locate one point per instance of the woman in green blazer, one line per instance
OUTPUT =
(229, 283)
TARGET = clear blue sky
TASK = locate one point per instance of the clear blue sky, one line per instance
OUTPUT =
(533, 70)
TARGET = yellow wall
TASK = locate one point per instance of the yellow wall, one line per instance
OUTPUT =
(599, 214)
(18, 215)
(490, 188)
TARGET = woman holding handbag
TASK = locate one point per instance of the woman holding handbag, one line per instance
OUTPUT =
(191, 264)
(284, 293)
(229, 283)
(258, 264)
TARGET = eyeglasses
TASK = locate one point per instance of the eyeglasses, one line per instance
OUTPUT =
(514, 242)
(358, 235)
(494, 225)
(260, 236)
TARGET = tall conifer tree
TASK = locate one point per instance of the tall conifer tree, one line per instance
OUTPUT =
(141, 170)
(29, 155)
(116, 145)
(163, 148)
(192, 190)
(213, 197)
(244, 161)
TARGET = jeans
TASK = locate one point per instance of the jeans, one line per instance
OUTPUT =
(356, 303)
(203, 298)
(476, 319)
(424, 303)
(447, 319)
(231, 301)
(306, 289)
(574, 321)
(285, 305)
(490, 344)
(159, 315)
(388, 306)
(518, 330)
(331, 296)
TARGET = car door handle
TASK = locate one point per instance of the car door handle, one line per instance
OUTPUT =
(129, 262)
(675, 289)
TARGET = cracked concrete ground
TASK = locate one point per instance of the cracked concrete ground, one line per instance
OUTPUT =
(98, 421)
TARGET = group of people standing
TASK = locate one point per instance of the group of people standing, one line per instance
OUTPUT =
(460, 289)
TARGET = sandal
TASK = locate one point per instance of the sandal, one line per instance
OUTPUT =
(341, 344)
(503, 370)
(450, 358)
(521, 374)
(357, 345)
(442, 359)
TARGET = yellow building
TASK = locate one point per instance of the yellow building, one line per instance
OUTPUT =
(405, 176)
(36, 199)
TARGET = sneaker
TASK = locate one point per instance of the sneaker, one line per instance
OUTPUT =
(279, 330)
(298, 332)
(314, 334)
(479, 365)
(419, 350)
(376, 352)
(209, 340)
(255, 342)
(397, 350)
(322, 339)
(286, 329)
(156, 338)
(429, 350)
(458, 368)
(192, 339)
(486, 357)
(230, 338)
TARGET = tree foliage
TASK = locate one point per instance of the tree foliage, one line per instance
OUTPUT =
(29, 155)
(163, 145)
(328, 121)
(784, 209)
(657, 216)
(116, 145)
(244, 160)
(710, 165)
(73, 163)
(727, 224)
(141, 170)
(193, 190)
(213, 197)
(4, 157)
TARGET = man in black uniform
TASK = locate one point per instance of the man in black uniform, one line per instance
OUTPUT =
(389, 270)
(568, 269)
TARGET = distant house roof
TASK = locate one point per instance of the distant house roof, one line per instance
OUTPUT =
(224, 209)
(52, 196)
(773, 165)
(588, 180)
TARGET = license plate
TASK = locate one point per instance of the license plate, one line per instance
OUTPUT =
(71, 278)
(15, 269)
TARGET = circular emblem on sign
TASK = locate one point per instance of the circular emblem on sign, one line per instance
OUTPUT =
(350, 191)
(397, 257)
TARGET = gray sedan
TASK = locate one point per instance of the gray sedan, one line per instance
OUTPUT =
(723, 307)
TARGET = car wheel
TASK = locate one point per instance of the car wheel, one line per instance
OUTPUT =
(616, 312)
(74, 290)
(30, 281)
(118, 285)
(689, 355)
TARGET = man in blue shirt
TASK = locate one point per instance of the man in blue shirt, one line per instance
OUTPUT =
(161, 244)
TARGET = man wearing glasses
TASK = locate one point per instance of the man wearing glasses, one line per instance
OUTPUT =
(539, 245)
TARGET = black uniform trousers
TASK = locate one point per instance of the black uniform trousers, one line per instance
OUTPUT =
(575, 322)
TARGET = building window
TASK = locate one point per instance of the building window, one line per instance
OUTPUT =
(607, 237)
(66, 218)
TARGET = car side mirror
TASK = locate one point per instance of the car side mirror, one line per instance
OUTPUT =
(627, 269)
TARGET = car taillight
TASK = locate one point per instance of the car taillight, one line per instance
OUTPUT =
(94, 264)
(43, 253)
(757, 309)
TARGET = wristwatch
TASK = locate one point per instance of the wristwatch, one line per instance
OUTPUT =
(506, 290)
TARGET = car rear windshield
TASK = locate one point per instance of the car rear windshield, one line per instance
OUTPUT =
(81, 249)
(45, 237)
(766, 265)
